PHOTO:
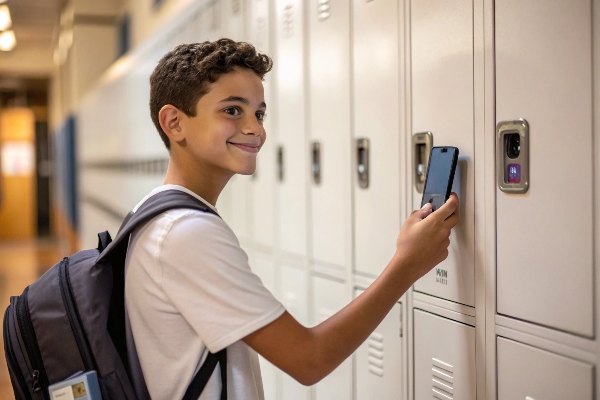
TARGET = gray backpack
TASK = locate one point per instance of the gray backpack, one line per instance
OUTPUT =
(72, 319)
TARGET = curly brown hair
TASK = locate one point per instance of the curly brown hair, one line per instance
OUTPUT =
(185, 73)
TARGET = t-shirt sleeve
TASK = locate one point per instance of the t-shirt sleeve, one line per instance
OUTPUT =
(205, 273)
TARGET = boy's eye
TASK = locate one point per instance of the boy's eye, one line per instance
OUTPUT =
(260, 116)
(233, 111)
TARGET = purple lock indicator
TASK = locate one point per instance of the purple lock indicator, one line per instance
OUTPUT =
(514, 173)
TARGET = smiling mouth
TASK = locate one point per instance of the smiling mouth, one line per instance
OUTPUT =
(246, 147)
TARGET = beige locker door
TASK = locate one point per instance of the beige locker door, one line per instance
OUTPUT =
(330, 138)
(330, 296)
(294, 296)
(525, 372)
(545, 236)
(378, 361)
(444, 358)
(376, 110)
(291, 128)
(263, 181)
(442, 103)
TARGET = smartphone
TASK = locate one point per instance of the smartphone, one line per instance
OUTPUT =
(440, 176)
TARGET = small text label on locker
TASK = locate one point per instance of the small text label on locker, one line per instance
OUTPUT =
(441, 276)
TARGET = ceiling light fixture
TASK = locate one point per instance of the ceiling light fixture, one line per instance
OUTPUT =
(5, 21)
(7, 41)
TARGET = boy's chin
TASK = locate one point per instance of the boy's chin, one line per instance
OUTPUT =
(247, 171)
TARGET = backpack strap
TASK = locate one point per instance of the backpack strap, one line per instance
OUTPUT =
(153, 207)
(201, 379)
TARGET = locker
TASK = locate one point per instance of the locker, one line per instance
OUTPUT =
(330, 166)
(290, 125)
(525, 372)
(262, 265)
(444, 358)
(378, 361)
(442, 103)
(545, 238)
(262, 183)
(294, 296)
(376, 105)
(330, 297)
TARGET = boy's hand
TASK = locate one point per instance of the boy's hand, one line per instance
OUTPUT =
(425, 236)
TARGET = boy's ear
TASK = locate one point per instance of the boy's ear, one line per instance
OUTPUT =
(170, 117)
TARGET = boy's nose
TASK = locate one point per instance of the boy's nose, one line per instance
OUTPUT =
(252, 127)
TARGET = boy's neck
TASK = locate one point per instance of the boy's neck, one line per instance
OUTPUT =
(206, 184)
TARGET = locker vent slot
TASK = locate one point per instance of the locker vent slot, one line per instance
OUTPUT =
(443, 380)
(375, 357)
(288, 21)
(324, 9)
(236, 6)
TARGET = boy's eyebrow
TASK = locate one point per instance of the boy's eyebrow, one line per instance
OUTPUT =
(242, 100)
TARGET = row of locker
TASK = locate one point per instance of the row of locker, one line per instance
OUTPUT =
(443, 352)
(369, 78)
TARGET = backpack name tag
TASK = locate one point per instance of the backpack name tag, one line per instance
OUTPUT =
(80, 387)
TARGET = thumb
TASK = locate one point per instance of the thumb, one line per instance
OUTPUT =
(423, 212)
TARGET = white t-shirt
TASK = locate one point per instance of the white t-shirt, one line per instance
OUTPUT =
(188, 287)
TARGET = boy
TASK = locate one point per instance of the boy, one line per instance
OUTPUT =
(189, 288)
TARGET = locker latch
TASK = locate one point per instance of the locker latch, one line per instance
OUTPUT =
(280, 163)
(316, 162)
(362, 162)
(422, 143)
(512, 157)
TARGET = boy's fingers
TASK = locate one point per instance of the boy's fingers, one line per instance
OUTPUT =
(423, 212)
(448, 208)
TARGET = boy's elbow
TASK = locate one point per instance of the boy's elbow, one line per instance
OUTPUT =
(311, 370)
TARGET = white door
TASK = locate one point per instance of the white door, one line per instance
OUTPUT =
(291, 127)
(525, 372)
(262, 185)
(294, 296)
(376, 112)
(330, 296)
(442, 103)
(444, 358)
(378, 361)
(330, 138)
(545, 236)
(263, 266)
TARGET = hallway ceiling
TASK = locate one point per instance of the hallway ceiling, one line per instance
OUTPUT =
(35, 23)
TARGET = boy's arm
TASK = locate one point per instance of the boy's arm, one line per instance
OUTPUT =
(310, 354)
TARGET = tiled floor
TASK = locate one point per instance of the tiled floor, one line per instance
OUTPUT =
(21, 262)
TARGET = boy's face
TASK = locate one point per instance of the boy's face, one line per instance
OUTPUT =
(227, 131)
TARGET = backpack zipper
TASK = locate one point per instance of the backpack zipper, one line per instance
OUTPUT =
(40, 379)
(74, 319)
(11, 359)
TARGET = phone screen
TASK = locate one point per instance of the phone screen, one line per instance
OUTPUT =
(440, 175)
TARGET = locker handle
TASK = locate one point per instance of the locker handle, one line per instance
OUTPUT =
(362, 164)
(422, 144)
(280, 163)
(316, 162)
